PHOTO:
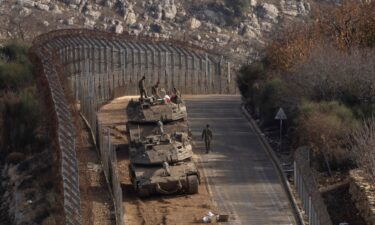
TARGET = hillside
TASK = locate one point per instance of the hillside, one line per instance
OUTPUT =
(238, 27)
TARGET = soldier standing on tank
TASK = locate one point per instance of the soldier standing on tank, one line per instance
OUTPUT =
(142, 89)
(155, 90)
(207, 137)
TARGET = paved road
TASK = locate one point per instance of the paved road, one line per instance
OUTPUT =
(241, 177)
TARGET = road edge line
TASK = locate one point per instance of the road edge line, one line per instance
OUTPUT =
(207, 184)
(276, 163)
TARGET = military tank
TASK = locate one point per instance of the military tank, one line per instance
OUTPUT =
(162, 164)
(150, 109)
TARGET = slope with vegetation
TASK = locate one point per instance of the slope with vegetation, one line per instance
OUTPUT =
(322, 74)
(28, 166)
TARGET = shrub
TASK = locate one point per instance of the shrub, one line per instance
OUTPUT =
(16, 52)
(23, 118)
(15, 76)
(325, 126)
(270, 98)
(249, 76)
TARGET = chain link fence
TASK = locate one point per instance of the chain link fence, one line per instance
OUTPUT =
(308, 191)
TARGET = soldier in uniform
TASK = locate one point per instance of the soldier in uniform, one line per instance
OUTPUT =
(142, 89)
(207, 137)
(155, 90)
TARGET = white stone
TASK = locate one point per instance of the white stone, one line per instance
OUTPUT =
(168, 9)
(295, 8)
(70, 21)
(27, 3)
(268, 12)
(119, 29)
(131, 18)
(94, 14)
(25, 11)
(56, 9)
(43, 7)
(217, 29)
(194, 23)
(89, 23)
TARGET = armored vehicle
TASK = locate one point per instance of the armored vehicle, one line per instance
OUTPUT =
(152, 110)
(162, 164)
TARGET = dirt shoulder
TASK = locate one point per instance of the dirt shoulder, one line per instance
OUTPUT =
(174, 209)
(96, 202)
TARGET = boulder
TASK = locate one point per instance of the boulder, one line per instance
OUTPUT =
(25, 11)
(119, 29)
(26, 3)
(130, 18)
(70, 21)
(168, 9)
(89, 23)
(267, 12)
(194, 23)
(43, 7)
(295, 8)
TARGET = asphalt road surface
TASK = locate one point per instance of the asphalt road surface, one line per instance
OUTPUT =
(241, 177)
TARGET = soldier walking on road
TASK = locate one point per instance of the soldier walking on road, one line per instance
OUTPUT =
(141, 86)
(207, 137)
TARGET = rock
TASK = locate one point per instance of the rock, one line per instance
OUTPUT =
(214, 17)
(168, 9)
(224, 38)
(46, 23)
(131, 18)
(93, 13)
(248, 32)
(70, 21)
(139, 27)
(194, 23)
(43, 7)
(156, 28)
(89, 23)
(295, 8)
(72, 2)
(25, 11)
(181, 13)
(267, 12)
(55, 9)
(26, 3)
(197, 37)
(119, 29)
(253, 3)
(217, 29)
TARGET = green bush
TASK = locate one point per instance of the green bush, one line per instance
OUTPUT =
(16, 52)
(17, 72)
(270, 99)
(248, 76)
(22, 119)
(15, 76)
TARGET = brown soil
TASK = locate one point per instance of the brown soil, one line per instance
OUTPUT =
(174, 209)
(96, 203)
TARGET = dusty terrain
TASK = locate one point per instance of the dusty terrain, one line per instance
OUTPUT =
(176, 209)
(96, 203)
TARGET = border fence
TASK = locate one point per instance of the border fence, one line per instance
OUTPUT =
(100, 66)
(307, 189)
